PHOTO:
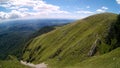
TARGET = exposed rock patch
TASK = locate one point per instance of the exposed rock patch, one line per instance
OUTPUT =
(42, 65)
(94, 47)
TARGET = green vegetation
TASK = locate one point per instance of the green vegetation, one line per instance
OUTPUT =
(12, 43)
(15, 33)
(93, 42)
(43, 30)
(108, 60)
(11, 63)
(76, 42)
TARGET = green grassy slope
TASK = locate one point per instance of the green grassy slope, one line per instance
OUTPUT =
(76, 42)
(109, 60)
(11, 63)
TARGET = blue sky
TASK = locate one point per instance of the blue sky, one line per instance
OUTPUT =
(71, 9)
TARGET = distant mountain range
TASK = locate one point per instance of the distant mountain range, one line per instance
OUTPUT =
(30, 24)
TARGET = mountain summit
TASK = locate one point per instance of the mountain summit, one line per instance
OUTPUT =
(92, 39)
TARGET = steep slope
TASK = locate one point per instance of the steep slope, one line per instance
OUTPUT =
(14, 33)
(41, 31)
(11, 43)
(108, 60)
(12, 62)
(76, 42)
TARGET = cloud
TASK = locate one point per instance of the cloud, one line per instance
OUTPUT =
(11, 15)
(118, 1)
(1, 1)
(48, 9)
(27, 8)
(87, 6)
(85, 12)
(23, 9)
(3, 15)
(102, 9)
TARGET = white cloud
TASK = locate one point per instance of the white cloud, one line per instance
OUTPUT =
(102, 9)
(23, 9)
(3, 15)
(118, 1)
(49, 9)
(85, 12)
(11, 15)
(3, 1)
(14, 7)
(27, 8)
(87, 6)
(44, 6)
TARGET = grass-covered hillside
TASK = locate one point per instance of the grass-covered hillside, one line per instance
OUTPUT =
(108, 60)
(15, 33)
(11, 62)
(77, 42)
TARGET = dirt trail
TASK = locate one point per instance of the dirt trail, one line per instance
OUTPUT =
(42, 65)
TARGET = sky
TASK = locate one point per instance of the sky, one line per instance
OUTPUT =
(68, 9)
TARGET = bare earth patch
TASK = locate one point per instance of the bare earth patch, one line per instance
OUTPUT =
(42, 65)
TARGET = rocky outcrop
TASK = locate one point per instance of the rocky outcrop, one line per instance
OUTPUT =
(94, 47)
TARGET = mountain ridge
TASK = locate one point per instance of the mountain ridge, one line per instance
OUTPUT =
(81, 40)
